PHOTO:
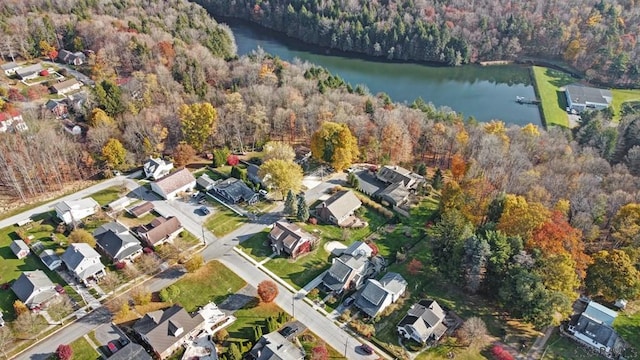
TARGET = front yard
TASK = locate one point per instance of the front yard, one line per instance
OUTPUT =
(103, 197)
(82, 350)
(223, 221)
(553, 102)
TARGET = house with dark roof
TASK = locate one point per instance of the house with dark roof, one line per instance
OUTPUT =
(58, 108)
(169, 186)
(594, 328)
(83, 262)
(350, 269)
(72, 211)
(290, 239)
(116, 242)
(339, 209)
(10, 68)
(234, 191)
(580, 97)
(166, 330)
(71, 58)
(29, 72)
(65, 87)
(34, 289)
(159, 231)
(19, 249)
(141, 210)
(423, 322)
(394, 194)
(50, 259)
(392, 174)
(131, 351)
(376, 295)
(274, 346)
(253, 174)
(205, 183)
(155, 168)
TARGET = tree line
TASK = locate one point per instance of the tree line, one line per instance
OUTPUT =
(597, 37)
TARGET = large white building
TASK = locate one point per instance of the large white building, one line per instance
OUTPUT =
(71, 211)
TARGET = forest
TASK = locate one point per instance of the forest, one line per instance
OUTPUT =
(538, 215)
(596, 37)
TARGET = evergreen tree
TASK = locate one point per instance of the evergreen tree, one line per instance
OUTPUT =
(303, 209)
(290, 206)
(234, 352)
(438, 180)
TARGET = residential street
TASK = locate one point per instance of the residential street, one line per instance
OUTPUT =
(218, 248)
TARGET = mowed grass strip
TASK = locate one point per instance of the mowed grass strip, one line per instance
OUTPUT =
(212, 282)
(103, 197)
(82, 350)
(553, 102)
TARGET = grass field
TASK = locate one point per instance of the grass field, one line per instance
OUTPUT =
(627, 325)
(560, 348)
(82, 350)
(548, 83)
(223, 221)
(253, 314)
(103, 197)
(213, 282)
(621, 96)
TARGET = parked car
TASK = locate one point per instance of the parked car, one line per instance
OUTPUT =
(112, 346)
(349, 301)
(288, 331)
(205, 211)
(366, 349)
(263, 192)
(60, 289)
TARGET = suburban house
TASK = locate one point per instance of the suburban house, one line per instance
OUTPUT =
(50, 259)
(29, 72)
(19, 249)
(394, 194)
(119, 204)
(131, 351)
(339, 209)
(12, 121)
(34, 289)
(66, 87)
(72, 211)
(234, 191)
(155, 168)
(169, 186)
(116, 242)
(59, 109)
(166, 330)
(290, 239)
(350, 269)
(205, 183)
(393, 174)
(83, 262)
(159, 231)
(594, 328)
(10, 68)
(580, 98)
(253, 174)
(273, 346)
(67, 57)
(141, 210)
(423, 322)
(378, 295)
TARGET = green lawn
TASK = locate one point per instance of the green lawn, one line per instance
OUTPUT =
(561, 348)
(83, 351)
(103, 197)
(257, 246)
(627, 325)
(619, 97)
(213, 282)
(223, 221)
(548, 83)
(254, 313)
(447, 346)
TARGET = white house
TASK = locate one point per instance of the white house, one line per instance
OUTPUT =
(169, 186)
(378, 295)
(594, 328)
(119, 204)
(29, 72)
(19, 248)
(12, 120)
(66, 86)
(155, 168)
(34, 289)
(580, 98)
(84, 262)
(71, 211)
(10, 68)
(423, 322)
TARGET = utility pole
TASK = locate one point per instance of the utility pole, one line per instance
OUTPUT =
(346, 344)
(293, 305)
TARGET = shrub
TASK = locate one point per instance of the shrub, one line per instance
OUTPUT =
(233, 160)
(313, 221)
(120, 265)
(267, 291)
(147, 250)
(194, 263)
(64, 352)
(220, 336)
(319, 352)
(500, 354)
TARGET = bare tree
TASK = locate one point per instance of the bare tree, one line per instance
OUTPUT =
(474, 332)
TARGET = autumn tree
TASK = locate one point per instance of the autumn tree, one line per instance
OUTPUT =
(141, 295)
(625, 226)
(458, 167)
(197, 122)
(64, 352)
(474, 332)
(613, 275)
(414, 267)
(521, 218)
(278, 150)
(109, 282)
(319, 352)
(267, 291)
(27, 324)
(281, 175)
(99, 117)
(183, 154)
(194, 263)
(48, 50)
(82, 236)
(20, 308)
(115, 155)
(334, 144)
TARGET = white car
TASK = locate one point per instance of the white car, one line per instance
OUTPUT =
(263, 192)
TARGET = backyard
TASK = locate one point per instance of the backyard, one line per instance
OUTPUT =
(553, 102)
(621, 96)
(560, 348)
(627, 325)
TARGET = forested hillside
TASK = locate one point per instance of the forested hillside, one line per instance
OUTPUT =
(534, 214)
(597, 37)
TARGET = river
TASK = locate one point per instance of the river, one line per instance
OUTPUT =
(484, 92)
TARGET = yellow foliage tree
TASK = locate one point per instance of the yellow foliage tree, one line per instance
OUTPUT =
(520, 218)
(531, 130)
(334, 144)
(625, 226)
(572, 50)
(282, 175)
(197, 122)
(99, 118)
(114, 153)
(498, 129)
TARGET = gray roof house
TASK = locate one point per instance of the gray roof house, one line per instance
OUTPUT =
(378, 295)
(580, 98)
(253, 174)
(423, 322)
(83, 262)
(349, 270)
(166, 330)
(116, 242)
(392, 174)
(50, 259)
(29, 72)
(205, 183)
(34, 289)
(593, 327)
(131, 351)
(169, 186)
(66, 86)
(72, 211)
(274, 346)
(394, 194)
(290, 239)
(19, 249)
(234, 191)
(155, 168)
(72, 58)
(339, 209)
(10, 68)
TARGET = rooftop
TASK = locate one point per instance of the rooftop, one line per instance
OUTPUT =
(584, 94)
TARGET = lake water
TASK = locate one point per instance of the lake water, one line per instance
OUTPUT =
(484, 92)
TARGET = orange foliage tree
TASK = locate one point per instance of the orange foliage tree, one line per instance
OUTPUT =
(267, 291)
(458, 167)
(414, 267)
